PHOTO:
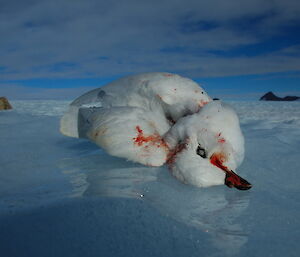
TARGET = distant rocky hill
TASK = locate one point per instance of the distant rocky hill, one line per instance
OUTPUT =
(270, 96)
(4, 104)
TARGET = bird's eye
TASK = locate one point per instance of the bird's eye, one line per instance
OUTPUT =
(201, 151)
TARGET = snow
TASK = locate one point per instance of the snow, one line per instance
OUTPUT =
(62, 196)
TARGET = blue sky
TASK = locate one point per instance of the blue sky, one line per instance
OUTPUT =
(235, 48)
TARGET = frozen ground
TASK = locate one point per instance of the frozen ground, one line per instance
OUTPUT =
(61, 196)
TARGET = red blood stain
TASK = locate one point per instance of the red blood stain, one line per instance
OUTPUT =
(159, 96)
(231, 178)
(202, 103)
(173, 153)
(221, 139)
(168, 75)
(143, 140)
(217, 159)
(139, 130)
(171, 120)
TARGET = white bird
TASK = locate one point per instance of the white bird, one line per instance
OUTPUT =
(134, 118)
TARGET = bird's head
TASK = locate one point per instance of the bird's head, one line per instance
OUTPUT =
(207, 147)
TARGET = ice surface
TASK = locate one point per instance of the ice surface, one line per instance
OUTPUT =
(62, 196)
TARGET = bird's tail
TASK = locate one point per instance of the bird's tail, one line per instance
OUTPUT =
(77, 121)
(74, 121)
(69, 122)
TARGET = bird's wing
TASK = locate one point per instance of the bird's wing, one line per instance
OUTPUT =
(126, 132)
(69, 123)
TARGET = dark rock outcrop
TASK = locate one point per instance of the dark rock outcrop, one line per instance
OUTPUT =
(270, 96)
(290, 98)
(4, 104)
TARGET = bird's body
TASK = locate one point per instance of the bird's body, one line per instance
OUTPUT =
(158, 118)
(133, 114)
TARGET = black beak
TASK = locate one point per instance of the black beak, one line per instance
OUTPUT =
(234, 180)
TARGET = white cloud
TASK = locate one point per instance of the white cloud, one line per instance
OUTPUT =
(37, 35)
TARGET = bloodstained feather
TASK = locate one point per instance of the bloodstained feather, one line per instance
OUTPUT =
(142, 139)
